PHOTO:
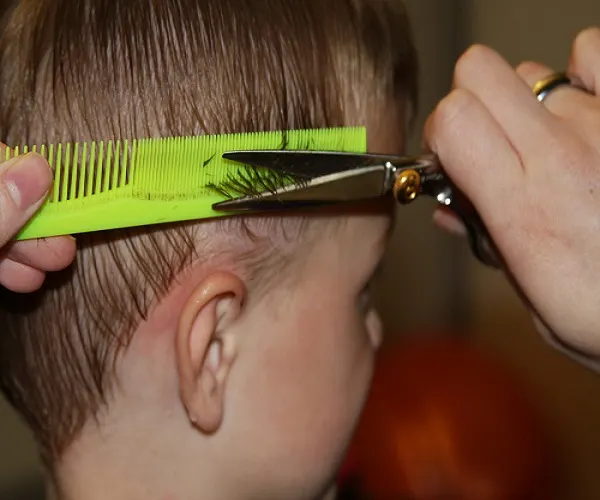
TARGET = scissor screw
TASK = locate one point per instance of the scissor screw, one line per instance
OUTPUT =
(407, 186)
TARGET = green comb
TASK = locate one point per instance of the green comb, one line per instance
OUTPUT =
(117, 184)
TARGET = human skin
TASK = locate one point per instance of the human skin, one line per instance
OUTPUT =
(532, 170)
(24, 184)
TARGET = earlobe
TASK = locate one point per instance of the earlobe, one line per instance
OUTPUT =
(207, 347)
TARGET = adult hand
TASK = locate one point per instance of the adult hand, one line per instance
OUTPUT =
(532, 170)
(24, 183)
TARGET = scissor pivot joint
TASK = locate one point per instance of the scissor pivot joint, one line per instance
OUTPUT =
(407, 186)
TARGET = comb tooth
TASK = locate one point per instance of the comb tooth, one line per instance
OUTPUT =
(175, 159)
(114, 165)
(68, 172)
(125, 164)
(166, 181)
(169, 150)
(64, 189)
(152, 159)
(107, 168)
(75, 172)
(183, 159)
(117, 165)
(163, 178)
(194, 154)
(144, 148)
(197, 151)
(57, 172)
(199, 172)
(189, 151)
(147, 158)
(179, 160)
(141, 160)
(193, 176)
(82, 171)
(122, 163)
(99, 167)
(91, 169)
(66, 164)
(172, 158)
(189, 181)
(133, 163)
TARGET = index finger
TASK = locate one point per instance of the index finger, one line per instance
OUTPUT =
(525, 121)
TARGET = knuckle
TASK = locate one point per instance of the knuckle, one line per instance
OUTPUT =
(449, 120)
(472, 60)
(525, 67)
(531, 71)
(452, 107)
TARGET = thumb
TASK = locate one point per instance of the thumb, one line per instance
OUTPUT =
(24, 183)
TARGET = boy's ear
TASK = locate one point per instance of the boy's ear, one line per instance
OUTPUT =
(206, 347)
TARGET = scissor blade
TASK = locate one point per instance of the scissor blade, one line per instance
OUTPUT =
(351, 185)
(310, 164)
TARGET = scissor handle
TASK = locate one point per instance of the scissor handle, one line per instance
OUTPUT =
(480, 241)
(411, 183)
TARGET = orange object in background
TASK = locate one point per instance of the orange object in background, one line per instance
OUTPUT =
(446, 421)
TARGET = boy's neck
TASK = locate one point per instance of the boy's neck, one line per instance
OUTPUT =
(119, 479)
(145, 472)
(144, 461)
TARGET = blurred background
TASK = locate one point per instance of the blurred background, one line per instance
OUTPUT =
(433, 287)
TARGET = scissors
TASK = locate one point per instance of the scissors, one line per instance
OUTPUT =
(324, 178)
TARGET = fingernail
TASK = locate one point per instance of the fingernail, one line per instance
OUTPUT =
(28, 179)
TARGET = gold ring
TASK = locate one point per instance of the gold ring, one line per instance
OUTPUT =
(543, 88)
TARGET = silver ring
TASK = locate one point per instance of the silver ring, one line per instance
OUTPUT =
(544, 88)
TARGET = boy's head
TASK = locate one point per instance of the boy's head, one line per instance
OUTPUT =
(230, 357)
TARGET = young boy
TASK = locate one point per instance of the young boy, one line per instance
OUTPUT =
(225, 359)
